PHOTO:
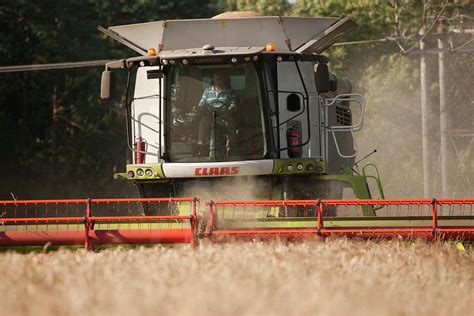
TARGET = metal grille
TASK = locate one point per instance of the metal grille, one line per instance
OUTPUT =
(343, 115)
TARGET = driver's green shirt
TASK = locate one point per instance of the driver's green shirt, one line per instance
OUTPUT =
(216, 100)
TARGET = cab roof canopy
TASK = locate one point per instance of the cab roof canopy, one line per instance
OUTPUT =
(234, 29)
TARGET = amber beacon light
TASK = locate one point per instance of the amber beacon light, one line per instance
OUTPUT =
(270, 47)
(152, 51)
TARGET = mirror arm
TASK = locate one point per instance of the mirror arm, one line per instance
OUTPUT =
(116, 64)
(130, 62)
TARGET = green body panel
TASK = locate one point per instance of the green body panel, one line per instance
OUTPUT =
(359, 185)
(357, 182)
(280, 166)
(156, 168)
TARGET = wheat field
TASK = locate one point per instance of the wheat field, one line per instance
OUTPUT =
(337, 277)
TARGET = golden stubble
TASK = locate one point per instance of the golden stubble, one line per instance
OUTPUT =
(335, 276)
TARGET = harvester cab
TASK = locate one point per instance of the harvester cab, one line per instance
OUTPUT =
(220, 98)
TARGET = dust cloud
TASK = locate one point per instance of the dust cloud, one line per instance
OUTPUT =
(391, 86)
(230, 188)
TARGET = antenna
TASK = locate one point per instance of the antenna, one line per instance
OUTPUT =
(365, 157)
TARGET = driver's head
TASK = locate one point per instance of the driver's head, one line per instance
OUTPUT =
(219, 79)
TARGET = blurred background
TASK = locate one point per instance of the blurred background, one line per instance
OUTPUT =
(413, 60)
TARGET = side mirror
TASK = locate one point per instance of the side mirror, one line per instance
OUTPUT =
(293, 103)
(333, 83)
(321, 77)
(107, 85)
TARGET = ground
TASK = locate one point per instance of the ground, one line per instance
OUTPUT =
(337, 277)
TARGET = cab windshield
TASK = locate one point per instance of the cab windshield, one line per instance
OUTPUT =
(215, 113)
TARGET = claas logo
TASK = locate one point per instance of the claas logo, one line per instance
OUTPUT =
(216, 171)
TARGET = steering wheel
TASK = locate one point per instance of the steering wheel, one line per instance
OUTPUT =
(218, 106)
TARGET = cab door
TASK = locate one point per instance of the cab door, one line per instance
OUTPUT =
(299, 109)
(146, 114)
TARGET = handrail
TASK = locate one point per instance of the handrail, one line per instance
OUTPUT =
(376, 177)
(336, 143)
(139, 123)
(346, 97)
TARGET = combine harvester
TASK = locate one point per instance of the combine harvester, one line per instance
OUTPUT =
(210, 101)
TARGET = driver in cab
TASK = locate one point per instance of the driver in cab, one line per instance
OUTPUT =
(218, 98)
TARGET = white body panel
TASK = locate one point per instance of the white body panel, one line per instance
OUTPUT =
(218, 169)
(146, 114)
